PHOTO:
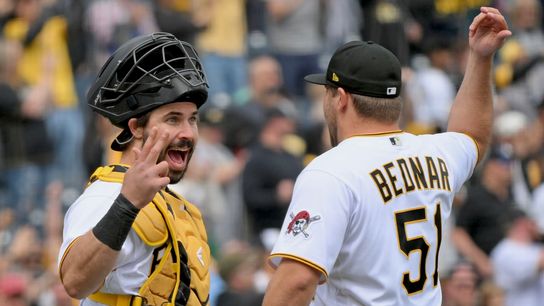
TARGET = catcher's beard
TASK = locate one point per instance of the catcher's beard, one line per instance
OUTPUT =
(174, 175)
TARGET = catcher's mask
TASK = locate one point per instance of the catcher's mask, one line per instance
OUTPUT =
(144, 73)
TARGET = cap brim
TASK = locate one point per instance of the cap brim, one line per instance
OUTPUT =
(316, 78)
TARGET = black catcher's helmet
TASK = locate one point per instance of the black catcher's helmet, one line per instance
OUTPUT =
(146, 72)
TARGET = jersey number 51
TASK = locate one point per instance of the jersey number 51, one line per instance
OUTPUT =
(409, 245)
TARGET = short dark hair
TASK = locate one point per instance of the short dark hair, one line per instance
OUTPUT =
(382, 109)
(142, 120)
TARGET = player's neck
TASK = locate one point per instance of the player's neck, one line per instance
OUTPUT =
(127, 157)
(365, 126)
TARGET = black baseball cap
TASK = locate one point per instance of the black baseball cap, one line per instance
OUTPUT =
(364, 68)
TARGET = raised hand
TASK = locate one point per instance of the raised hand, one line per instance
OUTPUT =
(488, 32)
(146, 177)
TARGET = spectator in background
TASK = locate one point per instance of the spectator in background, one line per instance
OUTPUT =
(526, 18)
(99, 134)
(385, 21)
(461, 286)
(264, 92)
(12, 290)
(44, 40)
(295, 40)
(513, 130)
(113, 22)
(6, 11)
(425, 23)
(28, 261)
(222, 47)
(537, 206)
(213, 181)
(269, 176)
(182, 22)
(449, 255)
(237, 268)
(78, 37)
(481, 219)
(25, 145)
(491, 294)
(257, 40)
(518, 262)
(520, 66)
(28, 271)
(343, 23)
(110, 24)
(432, 90)
(314, 129)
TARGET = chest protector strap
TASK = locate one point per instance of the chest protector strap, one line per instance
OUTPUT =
(170, 225)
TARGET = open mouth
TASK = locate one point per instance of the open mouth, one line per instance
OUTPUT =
(177, 158)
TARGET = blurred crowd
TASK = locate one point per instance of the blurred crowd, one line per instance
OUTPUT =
(262, 124)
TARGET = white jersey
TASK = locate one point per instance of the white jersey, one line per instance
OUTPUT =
(517, 271)
(135, 258)
(368, 215)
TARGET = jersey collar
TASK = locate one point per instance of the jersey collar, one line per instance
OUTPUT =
(376, 134)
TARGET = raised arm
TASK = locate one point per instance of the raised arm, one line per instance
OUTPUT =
(472, 110)
(92, 256)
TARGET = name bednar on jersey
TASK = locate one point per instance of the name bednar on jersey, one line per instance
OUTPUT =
(414, 176)
(365, 219)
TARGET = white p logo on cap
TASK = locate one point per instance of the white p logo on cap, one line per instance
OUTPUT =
(391, 91)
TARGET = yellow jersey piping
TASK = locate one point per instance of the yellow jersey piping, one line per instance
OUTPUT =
(377, 134)
(303, 261)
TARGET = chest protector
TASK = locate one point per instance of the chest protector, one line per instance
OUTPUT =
(179, 273)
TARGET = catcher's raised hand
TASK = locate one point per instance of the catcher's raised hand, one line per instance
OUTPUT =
(488, 31)
(146, 177)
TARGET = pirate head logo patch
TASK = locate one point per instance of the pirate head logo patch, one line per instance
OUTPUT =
(300, 222)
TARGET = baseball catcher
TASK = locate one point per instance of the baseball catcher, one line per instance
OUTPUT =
(128, 239)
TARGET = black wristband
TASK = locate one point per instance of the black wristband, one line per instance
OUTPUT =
(113, 228)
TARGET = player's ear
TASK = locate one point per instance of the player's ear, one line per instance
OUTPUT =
(137, 131)
(343, 99)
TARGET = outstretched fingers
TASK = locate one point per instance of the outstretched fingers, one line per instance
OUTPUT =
(162, 178)
(148, 144)
(158, 145)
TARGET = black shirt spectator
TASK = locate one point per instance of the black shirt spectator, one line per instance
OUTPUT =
(269, 175)
(483, 216)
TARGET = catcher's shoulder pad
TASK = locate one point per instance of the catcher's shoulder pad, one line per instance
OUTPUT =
(112, 173)
(150, 226)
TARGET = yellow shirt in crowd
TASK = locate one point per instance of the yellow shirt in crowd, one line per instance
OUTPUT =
(51, 41)
(225, 34)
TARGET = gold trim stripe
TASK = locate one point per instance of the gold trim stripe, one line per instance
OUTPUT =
(477, 147)
(304, 261)
(64, 256)
(377, 134)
